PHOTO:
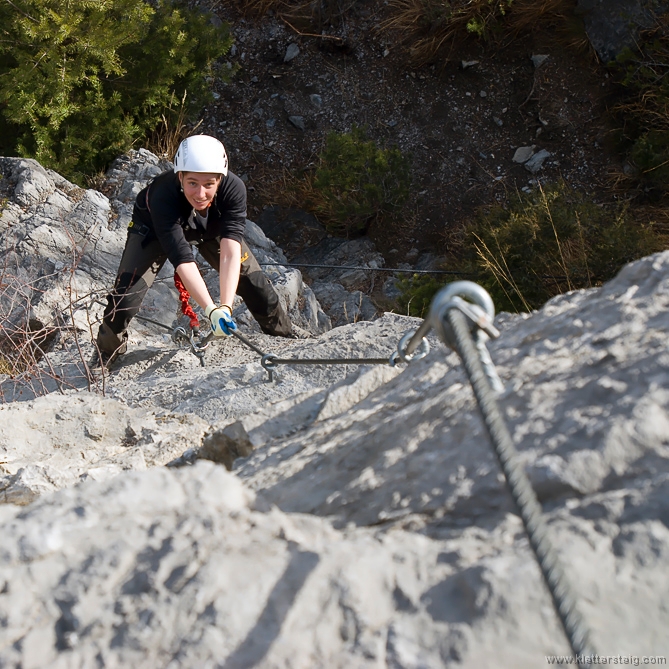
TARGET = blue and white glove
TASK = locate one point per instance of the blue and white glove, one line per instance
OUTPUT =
(221, 319)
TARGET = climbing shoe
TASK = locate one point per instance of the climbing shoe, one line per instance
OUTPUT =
(103, 360)
(296, 333)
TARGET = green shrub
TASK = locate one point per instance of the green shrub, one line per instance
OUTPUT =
(486, 16)
(417, 292)
(544, 244)
(552, 241)
(650, 154)
(83, 80)
(356, 183)
(643, 110)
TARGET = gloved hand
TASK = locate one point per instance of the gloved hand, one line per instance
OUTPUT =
(221, 320)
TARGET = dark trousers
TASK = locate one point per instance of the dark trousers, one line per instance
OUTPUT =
(140, 266)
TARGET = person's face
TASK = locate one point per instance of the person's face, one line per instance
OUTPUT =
(199, 188)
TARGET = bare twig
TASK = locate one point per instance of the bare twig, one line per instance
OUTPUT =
(299, 32)
(18, 9)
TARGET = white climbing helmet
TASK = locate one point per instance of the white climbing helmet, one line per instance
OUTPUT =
(201, 153)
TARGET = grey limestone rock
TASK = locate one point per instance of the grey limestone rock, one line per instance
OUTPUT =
(127, 175)
(344, 306)
(56, 242)
(62, 245)
(184, 569)
(339, 291)
(292, 52)
(297, 121)
(536, 162)
(523, 154)
(56, 441)
(366, 523)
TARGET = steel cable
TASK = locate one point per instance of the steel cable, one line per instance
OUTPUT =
(398, 270)
(244, 340)
(368, 269)
(521, 490)
(330, 361)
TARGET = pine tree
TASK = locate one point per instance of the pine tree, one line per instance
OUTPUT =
(82, 80)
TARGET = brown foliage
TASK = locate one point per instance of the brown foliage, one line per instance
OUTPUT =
(431, 29)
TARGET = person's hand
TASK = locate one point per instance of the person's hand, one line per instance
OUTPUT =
(220, 318)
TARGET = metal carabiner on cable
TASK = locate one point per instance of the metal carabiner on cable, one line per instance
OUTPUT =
(180, 337)
(403, 353)
(198, 345)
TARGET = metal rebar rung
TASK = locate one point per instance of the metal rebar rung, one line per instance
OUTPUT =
(417, 337)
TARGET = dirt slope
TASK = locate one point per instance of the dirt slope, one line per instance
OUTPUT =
(460, 125)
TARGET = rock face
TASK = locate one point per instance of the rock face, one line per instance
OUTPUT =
(323, 259)
(55, 441)
(179, 569)
(367, 523)
(62, 245)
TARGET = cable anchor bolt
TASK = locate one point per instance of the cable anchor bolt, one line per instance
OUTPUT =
(269, 365)
(479, 311)
(199, 344)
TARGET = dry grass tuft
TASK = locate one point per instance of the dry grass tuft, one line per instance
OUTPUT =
(431, 29)
(298, 13)
(285, 189)
(22, 348)
(172, 130)
(642, 112)
(258, 8)
(428, 28)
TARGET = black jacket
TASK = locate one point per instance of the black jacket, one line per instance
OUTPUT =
(165, 211)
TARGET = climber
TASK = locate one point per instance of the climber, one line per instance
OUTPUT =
(199, 202)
